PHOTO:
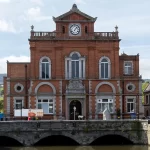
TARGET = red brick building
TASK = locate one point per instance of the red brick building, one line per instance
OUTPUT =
(146, 93)
(75, 66)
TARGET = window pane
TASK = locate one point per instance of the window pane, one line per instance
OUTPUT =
(67, 68)
(39, 106)
(45, 108)
(18, 106)
(81, 68)
(73, 69)
(43, 70)
(47, 70)
(102, 70)
(104, 60)
(128, 107)
(110, 107)
(75, 57)
(130, 100)
(106, 70)
(77, 69)
(18, 101)
(50, 108)
(103, 106)
(132, 108)
(44, 60)
(104, 100)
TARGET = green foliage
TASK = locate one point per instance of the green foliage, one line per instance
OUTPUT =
(144, 86)
(1, 99)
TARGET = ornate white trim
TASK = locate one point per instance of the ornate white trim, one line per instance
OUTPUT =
(16, 85)
(108, 83)
(18, 98)
(134, 101)
(40, 67)
(109, 67)
(68, 67)
(130, 84)
(45, 83)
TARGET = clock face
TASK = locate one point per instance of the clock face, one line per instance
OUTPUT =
(75, 29)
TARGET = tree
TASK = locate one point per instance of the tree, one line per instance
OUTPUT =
(1, 105)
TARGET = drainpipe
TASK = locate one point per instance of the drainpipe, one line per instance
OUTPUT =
(26, 88)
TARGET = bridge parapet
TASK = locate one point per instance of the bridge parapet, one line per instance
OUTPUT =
(81, 125)
(83, 132)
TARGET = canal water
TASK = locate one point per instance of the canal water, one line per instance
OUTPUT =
(122, 147)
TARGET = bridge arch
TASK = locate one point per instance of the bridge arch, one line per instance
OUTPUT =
(45, 135)
(119, 133)
(15, 137)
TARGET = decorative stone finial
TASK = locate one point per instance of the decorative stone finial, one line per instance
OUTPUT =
(116, 27)
(32, 27)
(74, 7)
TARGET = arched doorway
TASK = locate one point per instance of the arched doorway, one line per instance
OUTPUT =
(78, 111)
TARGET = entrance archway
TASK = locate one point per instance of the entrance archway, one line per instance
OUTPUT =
(78, 111)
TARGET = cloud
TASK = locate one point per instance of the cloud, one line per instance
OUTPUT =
(3, 61)
(35, 14)
(4, 1)
(80, 2)
(145, 68)
(38, 2)
(7, 26)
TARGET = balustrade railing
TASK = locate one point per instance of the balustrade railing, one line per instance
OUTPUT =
(58, 35)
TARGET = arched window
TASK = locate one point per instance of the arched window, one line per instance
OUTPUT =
(75, 66)
(104, 68)
(45, 68)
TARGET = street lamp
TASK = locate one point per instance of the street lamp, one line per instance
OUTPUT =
(74, 108)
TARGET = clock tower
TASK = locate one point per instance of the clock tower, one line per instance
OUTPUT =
(74, 24)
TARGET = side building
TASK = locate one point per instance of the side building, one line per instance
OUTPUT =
(75, 67)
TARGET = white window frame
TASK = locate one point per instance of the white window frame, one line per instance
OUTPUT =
(109, 67)
(68, 66)
(16, 99)
(48, 102)
(40, 68)
(126, 68)
(101, 101)
(134, 104)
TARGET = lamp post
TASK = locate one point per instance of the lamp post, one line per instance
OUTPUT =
(74, 108)
(21, 110)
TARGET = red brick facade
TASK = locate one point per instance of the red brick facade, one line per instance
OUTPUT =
(75, 66)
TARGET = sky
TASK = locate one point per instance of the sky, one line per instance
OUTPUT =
(131, 16)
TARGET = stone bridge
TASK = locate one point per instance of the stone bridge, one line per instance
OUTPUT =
(83, 132)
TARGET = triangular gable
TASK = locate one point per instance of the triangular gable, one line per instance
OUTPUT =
(74, 10)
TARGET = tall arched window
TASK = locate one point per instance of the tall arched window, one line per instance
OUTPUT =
(75, 66)
(104, 68)
(45, 68)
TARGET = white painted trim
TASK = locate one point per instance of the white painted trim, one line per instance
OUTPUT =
(18, 98)
(70, 67)
(109, 67)
(133, 87)
(108, 83)
(134, 102)
(16, 85)
(40, 67)
(45, 83)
